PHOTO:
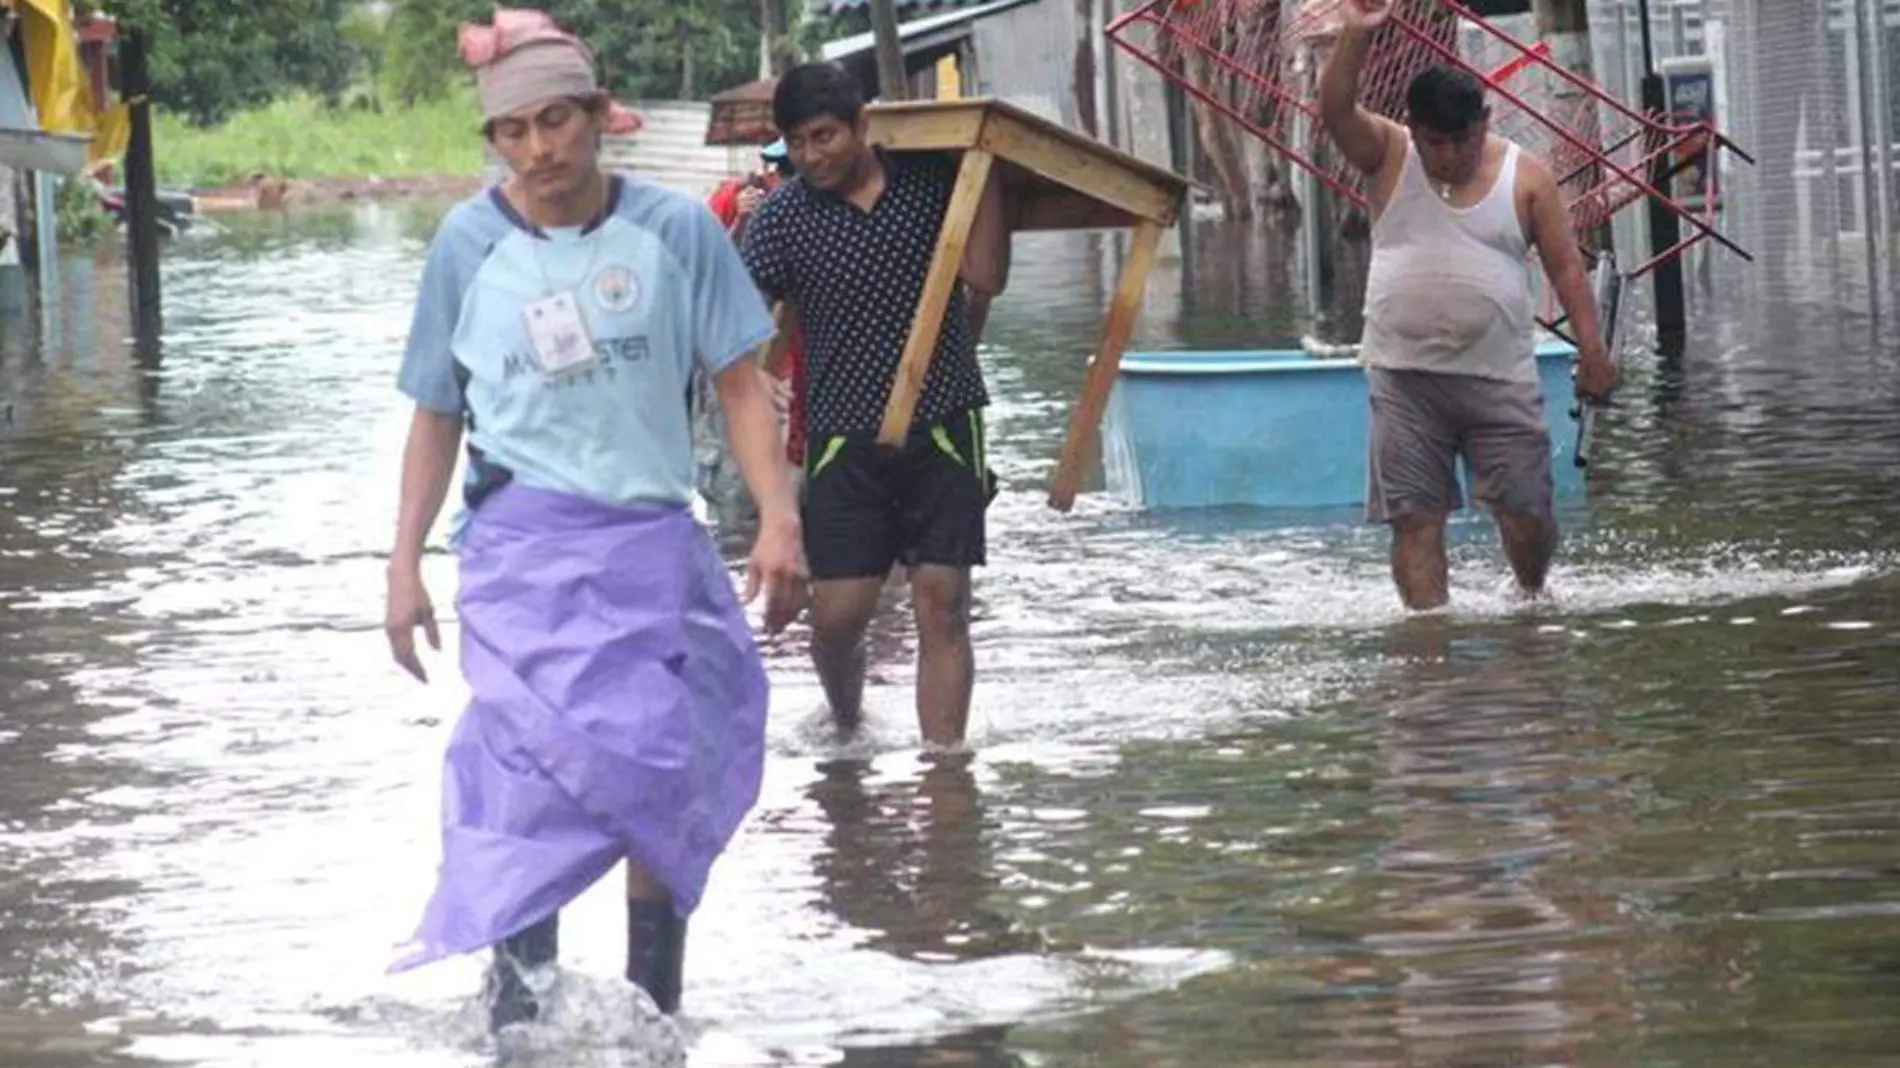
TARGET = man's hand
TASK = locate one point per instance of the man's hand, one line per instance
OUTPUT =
(986, 254)
(1365, 15)
(1365, 139)
(408, 607)
(778, 568)
(1556, 245)
(428, 461)
(1596, 375)
(749, 200)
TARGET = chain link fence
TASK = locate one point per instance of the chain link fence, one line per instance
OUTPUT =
(1806, 87)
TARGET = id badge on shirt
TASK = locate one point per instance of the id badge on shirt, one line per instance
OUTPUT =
(558, 334)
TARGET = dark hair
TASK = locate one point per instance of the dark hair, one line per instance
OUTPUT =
(813, 90)
(1445, 99)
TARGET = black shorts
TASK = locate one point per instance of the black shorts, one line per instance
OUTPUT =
(867, 507)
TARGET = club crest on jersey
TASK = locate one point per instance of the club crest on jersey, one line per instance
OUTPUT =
(615, 289)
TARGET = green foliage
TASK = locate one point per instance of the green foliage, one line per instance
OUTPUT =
(78, 216)
(648, 49)
(656, 49)
(419, 61)
(302, 137)
(211, 58)
(810, 32)
(365, 32)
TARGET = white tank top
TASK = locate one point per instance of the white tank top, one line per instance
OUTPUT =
(1449, 288)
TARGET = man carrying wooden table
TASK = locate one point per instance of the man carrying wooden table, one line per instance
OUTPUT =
(849, 242)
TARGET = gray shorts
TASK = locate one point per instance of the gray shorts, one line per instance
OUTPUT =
(1421, 421)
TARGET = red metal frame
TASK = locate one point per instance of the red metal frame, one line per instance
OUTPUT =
(1541, 52)
(1655, 138)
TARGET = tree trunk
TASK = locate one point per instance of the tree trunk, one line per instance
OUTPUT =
(689, 74)
(765, 38)
(776, 54)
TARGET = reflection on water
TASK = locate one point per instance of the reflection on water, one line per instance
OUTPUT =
(906, 862)
(1227, 804)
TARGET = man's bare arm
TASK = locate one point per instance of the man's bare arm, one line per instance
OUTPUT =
(985, 270)
(986, 254)
(752, 435)
(1557, 249)
(1364, 138)
(777, 565)
(428, 462)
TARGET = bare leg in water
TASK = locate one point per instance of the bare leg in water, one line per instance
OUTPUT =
(1529, 543)
(946, 666)
(940, 598)
(841, 610)
(1419, 567)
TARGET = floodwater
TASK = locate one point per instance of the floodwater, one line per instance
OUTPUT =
(1227, 804)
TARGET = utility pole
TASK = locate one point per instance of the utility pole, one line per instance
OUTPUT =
(1665, 230)
(141, 189)
(890, 51)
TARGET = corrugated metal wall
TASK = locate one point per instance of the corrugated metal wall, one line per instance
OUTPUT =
(1026, 55)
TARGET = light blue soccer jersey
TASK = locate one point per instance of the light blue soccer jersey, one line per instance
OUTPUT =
(658, 284)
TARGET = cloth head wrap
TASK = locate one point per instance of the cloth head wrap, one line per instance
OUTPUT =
(523, 58)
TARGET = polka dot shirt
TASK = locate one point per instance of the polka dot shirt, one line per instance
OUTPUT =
(856, 277)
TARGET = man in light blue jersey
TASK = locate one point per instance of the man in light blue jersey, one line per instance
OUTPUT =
(617, 696)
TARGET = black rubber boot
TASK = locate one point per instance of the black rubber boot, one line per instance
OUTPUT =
(656, 950)
(510, 1000)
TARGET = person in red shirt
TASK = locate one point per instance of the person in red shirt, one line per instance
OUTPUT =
(733, 203)
(737, 198)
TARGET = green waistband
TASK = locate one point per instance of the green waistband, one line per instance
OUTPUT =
(819, 458)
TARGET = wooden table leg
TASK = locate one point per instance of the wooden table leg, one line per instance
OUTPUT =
(939, 284)
(1107, 363)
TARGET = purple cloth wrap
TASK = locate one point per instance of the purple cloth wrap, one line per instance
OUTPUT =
(617, 711)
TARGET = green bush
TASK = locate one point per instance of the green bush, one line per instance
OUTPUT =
(302, 137)
(78, 215)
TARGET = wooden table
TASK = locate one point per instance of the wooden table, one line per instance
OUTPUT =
(1060, 179)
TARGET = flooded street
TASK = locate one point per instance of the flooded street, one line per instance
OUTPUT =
(1228, 805)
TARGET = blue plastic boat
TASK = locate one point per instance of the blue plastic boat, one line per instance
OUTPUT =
(1270, 428)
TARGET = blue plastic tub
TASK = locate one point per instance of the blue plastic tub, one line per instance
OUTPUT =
(1269, 429)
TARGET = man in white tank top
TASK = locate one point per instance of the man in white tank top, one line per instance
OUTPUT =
(1450, 339)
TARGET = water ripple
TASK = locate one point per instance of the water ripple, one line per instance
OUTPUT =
(1228, 804)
